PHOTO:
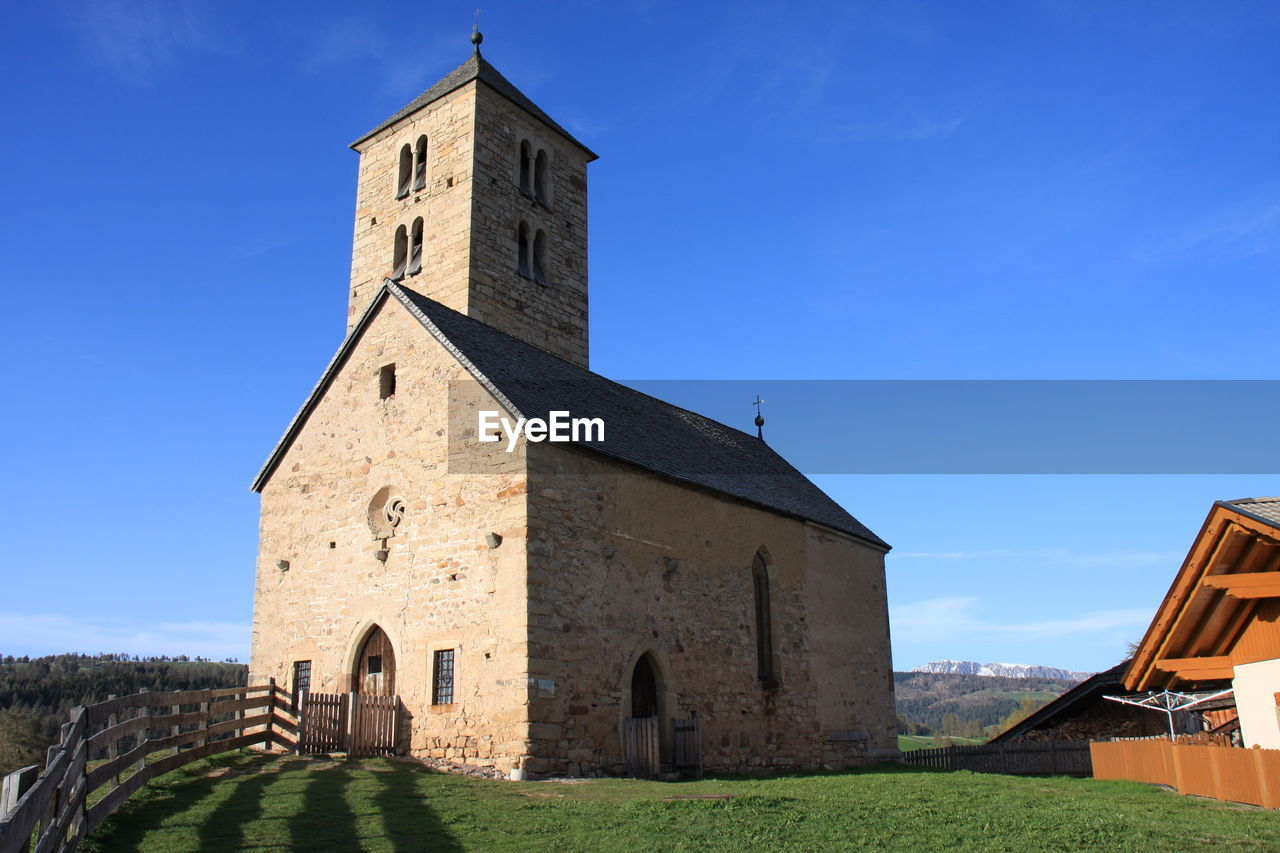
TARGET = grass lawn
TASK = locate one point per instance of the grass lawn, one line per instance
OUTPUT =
(254, 802)
(907, 743)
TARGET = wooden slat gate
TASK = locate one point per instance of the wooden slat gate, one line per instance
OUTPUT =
(322, 723)
(687, 747)
(373, 725)
(354, 723)
(643, 759)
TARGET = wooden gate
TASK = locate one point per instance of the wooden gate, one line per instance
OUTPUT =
(643, 759)
(353, 723)
(322, 723)
(687, 747)
(374, 724)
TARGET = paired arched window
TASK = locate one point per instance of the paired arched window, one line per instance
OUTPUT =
(541, 165)
(535, 173)
(764, 621)
(412, 174)
(532, 249)
(420, 164)
(526, 169)
(523, 265)
(407, 259)
(404, 177)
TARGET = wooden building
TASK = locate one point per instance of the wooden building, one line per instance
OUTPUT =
(1219, 625)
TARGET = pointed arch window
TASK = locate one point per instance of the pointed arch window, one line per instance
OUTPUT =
(405, 175)
(764, 622)
(401, 257)
(526, 168)
(540, 257)
(415, 248)
(420, 164)
(523, 264)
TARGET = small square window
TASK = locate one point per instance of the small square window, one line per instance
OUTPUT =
(387, 381)
(375, 664)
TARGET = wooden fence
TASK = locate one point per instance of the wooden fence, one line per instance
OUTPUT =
(1017, 759)
(1205, 769)
(111, 749)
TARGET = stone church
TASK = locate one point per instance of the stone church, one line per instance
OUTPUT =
(528, 601)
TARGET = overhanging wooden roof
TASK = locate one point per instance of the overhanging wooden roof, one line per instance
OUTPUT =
(1223, 605)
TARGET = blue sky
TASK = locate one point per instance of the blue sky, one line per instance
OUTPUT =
(913, 190)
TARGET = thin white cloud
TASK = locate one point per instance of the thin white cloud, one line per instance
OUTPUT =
(956, 618)
(137, 39)
(1234, 234)
(43, 633)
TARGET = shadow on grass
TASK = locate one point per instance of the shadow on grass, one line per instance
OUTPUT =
(325, 821)
(411, 824)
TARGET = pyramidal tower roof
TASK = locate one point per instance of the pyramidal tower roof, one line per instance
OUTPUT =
(476, 68)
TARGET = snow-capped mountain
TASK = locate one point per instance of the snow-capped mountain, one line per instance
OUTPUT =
(1007, 670)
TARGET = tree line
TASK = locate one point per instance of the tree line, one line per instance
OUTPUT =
(36, 694)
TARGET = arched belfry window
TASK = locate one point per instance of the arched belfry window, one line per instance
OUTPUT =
(522, 237)
(540, 257)
(541, 166)
(405, 175)
(401, 257)
(420, 164)
(764, 622)
(526, 169)
(415, 248)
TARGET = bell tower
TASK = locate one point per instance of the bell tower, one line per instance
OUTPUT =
(474, 197)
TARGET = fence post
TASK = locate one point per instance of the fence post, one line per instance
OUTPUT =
(349, 733)
(175, 729)
(271, 713)
(145, 734)
(1053, 758)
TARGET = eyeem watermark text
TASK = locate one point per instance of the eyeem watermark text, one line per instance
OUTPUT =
(559, 426)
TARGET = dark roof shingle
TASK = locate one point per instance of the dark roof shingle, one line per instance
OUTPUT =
(1264, 509)
(476, 68)
(639, 429)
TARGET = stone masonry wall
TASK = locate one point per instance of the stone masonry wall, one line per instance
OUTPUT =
(623, 562)
(442, 586)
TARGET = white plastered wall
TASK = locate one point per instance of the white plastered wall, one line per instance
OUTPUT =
(1256, 685)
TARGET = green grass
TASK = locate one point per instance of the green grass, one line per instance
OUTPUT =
(264, 803)
(907, 743)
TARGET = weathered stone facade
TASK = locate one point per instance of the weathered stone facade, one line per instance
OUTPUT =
(550, 571)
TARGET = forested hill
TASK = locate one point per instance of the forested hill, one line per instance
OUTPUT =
(933, 703)
(36, 693)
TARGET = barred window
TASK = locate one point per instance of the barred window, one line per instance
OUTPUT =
(442, 682)
(301, 681)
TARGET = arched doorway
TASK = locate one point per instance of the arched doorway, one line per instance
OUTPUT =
(644, 689)
(643, 729)
(376, 665)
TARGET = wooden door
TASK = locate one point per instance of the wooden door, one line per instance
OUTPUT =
(376, 666)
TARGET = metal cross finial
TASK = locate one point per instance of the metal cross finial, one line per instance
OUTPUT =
(758, 403)
(759, 418)
(476, 37)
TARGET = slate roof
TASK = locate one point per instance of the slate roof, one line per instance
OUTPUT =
(1263, 509)
(476, 68)
(639, 429)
